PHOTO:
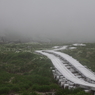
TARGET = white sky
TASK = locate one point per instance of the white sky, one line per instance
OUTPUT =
(69, 20)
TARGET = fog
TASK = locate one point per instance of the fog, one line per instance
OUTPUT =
(46, 20)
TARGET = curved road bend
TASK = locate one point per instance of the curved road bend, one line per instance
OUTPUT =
(65, 72)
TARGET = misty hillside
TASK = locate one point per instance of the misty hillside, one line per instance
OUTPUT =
(16, 38)
(24, 72)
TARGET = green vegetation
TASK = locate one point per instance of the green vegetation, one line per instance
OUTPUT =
(24, 72)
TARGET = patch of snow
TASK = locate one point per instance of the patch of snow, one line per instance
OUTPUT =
(79, 44)
(61, 48)
(72, 47)
(55, 47)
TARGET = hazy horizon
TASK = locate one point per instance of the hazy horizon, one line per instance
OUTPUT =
(59, 20)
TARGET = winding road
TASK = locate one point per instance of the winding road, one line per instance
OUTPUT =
(69, 72)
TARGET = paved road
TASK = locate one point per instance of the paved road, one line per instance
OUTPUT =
(62, 68)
